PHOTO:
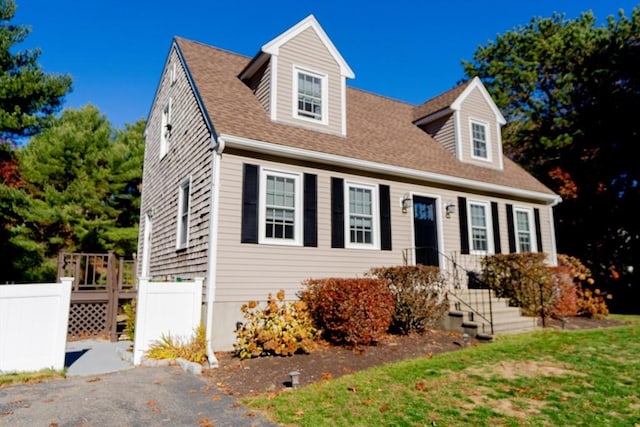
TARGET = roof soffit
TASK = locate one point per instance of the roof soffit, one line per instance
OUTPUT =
(273, 47)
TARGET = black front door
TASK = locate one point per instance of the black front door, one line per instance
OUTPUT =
(425, 230)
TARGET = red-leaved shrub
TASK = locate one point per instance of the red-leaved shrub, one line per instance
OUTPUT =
(355, 312)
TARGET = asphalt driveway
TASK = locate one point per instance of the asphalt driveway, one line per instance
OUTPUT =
(133, 397)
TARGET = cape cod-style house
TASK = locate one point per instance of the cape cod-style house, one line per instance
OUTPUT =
(262, 172)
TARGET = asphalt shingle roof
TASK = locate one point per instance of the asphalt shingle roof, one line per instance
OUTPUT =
(379, 129)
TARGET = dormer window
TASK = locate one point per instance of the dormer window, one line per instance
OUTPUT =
(480, 145)
(310, 96)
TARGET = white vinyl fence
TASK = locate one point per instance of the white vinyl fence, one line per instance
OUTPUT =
(33, 326)
(165, 308)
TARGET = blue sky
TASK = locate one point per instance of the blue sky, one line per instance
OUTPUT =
(408, 50)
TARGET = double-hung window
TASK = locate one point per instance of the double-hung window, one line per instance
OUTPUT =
(165, 130)
(310, 96)
(523, 229)
(361, 217)
(479, 222)
(479, 140)
(184, 194)
(281, 201)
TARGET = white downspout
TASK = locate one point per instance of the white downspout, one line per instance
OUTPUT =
(213, 248)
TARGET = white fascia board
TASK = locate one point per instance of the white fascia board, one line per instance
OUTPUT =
(477, 84)
(273, 47)
(369, 166)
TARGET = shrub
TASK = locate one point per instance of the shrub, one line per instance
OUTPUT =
(278, 328)
(129, 310)
(419, 296)
(591, 302)
(355, 312)
(565, 301)
(522, 278)
(193, 349)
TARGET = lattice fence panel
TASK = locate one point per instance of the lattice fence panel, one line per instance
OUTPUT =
(87, 319)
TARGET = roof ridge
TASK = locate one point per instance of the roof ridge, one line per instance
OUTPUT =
(210, 46)
(388, 98)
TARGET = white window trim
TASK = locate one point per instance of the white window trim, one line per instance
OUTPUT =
(146, 243)
(375, 210)
(489, 219)
(487, 133)
(297, 230)
(532, 229)
(165, 133)
(324, 99)
(173, 75)
(180, 245)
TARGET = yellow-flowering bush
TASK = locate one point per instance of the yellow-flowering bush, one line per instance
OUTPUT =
(277, 328)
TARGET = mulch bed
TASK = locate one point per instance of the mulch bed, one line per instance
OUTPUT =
(271, 374)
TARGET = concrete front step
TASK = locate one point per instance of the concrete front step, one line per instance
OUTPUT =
(506, 319)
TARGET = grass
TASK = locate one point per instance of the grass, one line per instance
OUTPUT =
(30, 377)
(583, 377)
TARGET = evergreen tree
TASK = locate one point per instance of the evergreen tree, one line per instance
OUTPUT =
(29, 97)
(570, 91)
(84, 179)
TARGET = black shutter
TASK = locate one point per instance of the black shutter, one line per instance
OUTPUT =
(536, 217)
(511, 230)
(310, 203)
(337, 213)
(250, 191)
(385, 218)
(496, 228)
(464, 229)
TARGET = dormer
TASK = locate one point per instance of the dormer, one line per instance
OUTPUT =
(300, 79)
(467, 122)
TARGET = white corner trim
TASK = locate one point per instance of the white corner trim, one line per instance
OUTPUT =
(552, 230)
(457, 134)
(213, 249)
(273, 89)
(273, 47)
(370, 166)
(477, 84)
(343, 106)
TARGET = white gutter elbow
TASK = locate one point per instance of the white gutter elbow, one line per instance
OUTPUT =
(220, 146)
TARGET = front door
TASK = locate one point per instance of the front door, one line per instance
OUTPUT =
(425, 230)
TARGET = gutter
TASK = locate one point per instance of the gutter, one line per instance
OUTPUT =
(369, 166)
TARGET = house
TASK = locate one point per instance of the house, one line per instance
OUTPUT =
(262, 172)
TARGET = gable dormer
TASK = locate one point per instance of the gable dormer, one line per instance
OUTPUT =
(467, 122)
(300, 79)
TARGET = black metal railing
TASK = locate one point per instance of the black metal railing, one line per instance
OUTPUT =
(462, 281)
(463, 276)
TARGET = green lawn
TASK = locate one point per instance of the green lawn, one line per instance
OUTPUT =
(563, 378)
(30, 377)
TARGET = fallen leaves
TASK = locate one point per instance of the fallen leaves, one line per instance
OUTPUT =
(205, 422)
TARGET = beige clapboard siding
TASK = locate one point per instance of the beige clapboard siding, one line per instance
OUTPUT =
(443, 131)
(308, 52)
(476, 107)
(246, 271)
(189, 154)
(261, 86)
